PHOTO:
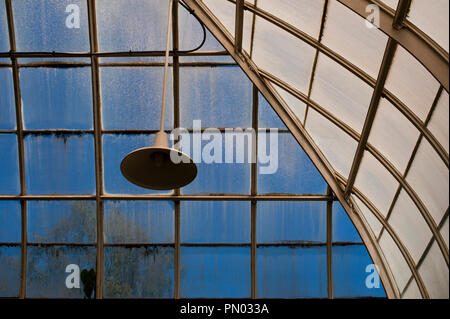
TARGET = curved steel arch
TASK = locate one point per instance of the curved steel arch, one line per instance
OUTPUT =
(302, 137)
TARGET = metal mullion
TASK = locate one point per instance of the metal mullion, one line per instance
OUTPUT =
(329, 245)
(316, 57)
(98, 144)
(370, 117)
(20, 145)
(239, 25)
(252, 35)
(254, 192)
(401, 13)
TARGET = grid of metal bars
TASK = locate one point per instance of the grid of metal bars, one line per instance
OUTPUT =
(97, 131)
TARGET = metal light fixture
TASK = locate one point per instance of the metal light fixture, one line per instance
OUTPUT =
(152, 167)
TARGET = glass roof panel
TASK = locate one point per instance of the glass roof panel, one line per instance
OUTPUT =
(9, 164)
(409, 81)
(410, 226)
(7, 109)
(391, 3)
(338, 147)
(4, 37)
(280, 56)
(10, 223)
(428, 176)
(341, 93)
(373, 222)
(10, 274)
(305, 15)
(51, 25)
(343, 228)
(432, 17)
(390, 125)
(294, 104)
(347, 34)
(439, 121)
(376, 183)
(444, 231)
(412, 291)
(434, 272)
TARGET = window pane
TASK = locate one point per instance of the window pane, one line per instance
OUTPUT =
(439, 121)
(9, 165)
(4, 37)
(267, 118)
(145, 272)
(412, 291)
(139, 221)
(51, 25)
(10, 229)
(219, 97)
(291, 222)
(60, 164)
(292, 272)
(7, 103)
(132, 97)
(352, 267)
(145, 31)
(215, 222)
(287, 169)
(46, 271)
(373, 222)
(343, 228)
(215, 272)
(56, 98)
(115, 148)
(62, 221)
(434, 272)
(444, 231)
(9, 271)
(294, 104)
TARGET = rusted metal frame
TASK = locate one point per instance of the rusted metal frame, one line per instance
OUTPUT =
(370, 117)
(20, 146)
(405, 253)
(33, 54)
(316, 58)
(330, 246)
(302, 137)
(93, 40)
(254, 192)
(415, 120)
(239, 25)
(428, 53)
(401, 13)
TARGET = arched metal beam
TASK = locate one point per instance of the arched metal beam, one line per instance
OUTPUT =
(300, 134)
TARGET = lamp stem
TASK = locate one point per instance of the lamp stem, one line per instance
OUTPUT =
(166, 65)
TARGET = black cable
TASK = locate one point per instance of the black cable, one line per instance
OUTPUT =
(201, 24)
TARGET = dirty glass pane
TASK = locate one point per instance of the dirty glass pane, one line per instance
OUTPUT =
(132, 97)
(343, 228)
(292, 272)
(4, 37)
(60, 26)
(138, 221)
(286, 168)
(10, 222)
(354, 274)
(56, 98)
(46, 271)
(215, 272)
(291, 222)
(9, 165)
(219, 97)
(215, 222)
(267, 118)
(9, 271)
(60, 163)
(7, 103)
(141, 272)
(115, 148)
(62, 221)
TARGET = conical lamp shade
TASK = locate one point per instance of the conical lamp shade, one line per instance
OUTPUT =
(153, 168)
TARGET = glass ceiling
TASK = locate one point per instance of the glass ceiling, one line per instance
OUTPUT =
(372, 106)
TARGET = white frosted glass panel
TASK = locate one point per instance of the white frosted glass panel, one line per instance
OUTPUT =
(428, 177)
(434, 272)
(393, 135)
(412, 291)
(412, 83)
(410, 226)
(391, 3)
(394, 257)
(347, 34)
(305, 15)
(296, 106)
(337, 146)
(373, 222)
(282, 54)
(439, 121)
(432, 17)
(225, 11)
(340, 92)
(376, 183)
(444, 231)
